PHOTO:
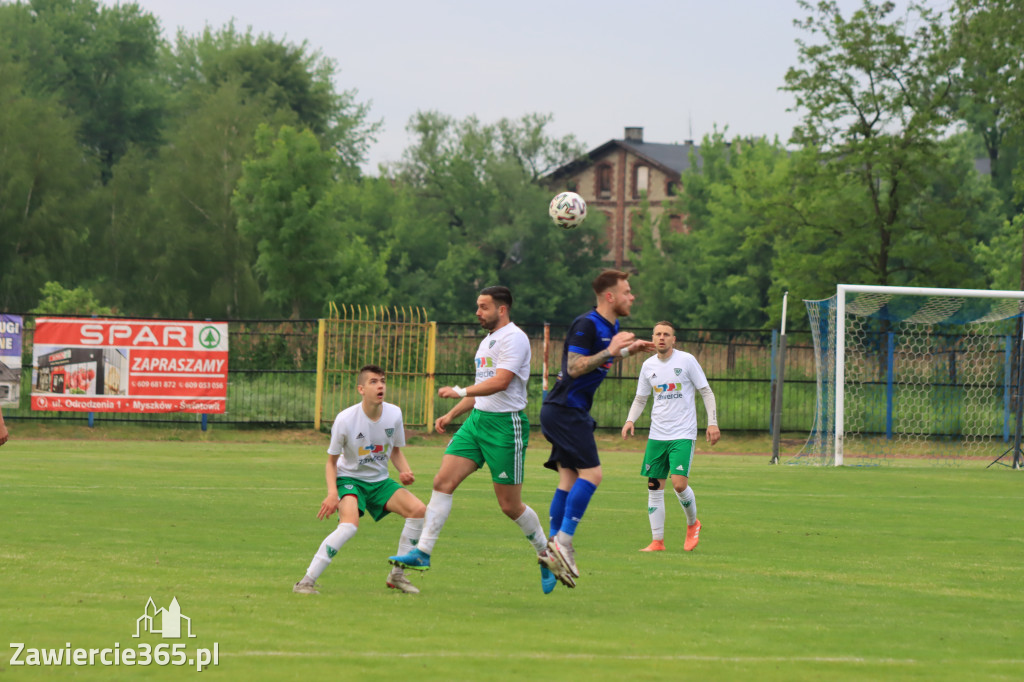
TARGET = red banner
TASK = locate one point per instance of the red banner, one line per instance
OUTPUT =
(85, 365)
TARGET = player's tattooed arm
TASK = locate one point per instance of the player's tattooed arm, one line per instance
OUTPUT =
(581, 364)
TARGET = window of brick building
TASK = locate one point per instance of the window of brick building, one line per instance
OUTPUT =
(641, 180)
(604, 182)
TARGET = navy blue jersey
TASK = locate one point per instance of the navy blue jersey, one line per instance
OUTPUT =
(588, 335)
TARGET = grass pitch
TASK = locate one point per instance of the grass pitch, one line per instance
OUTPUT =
(802, 573)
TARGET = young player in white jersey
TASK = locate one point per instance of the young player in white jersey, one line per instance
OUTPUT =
(496, 432)
(364, 438)
(673, 377)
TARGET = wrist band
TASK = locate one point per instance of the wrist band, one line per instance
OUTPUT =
(624, 352)
(460, 391)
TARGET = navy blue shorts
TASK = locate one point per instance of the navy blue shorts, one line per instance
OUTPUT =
(571, 433)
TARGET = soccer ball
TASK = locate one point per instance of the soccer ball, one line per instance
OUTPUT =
(568, 210)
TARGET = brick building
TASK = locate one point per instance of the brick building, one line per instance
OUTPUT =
(612, 177)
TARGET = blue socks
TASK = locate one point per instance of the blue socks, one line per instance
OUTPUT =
(575, 504)
(557, 510)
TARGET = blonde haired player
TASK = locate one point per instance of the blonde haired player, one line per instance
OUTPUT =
(672, 376)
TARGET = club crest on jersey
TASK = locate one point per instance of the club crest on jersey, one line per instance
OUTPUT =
(389, 432)
(491, 344)
(679, 370)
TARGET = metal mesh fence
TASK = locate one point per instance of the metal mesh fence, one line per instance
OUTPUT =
(272, 375)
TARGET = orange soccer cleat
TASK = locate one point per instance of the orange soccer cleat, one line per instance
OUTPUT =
(692, 537)
(655, 546)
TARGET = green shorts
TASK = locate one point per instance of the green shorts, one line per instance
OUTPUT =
(498, 438)
(663, 457)
(371, 497)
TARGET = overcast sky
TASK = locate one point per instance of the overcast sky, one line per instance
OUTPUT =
(676, 68)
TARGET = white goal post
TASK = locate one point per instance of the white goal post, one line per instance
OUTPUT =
(864, 315)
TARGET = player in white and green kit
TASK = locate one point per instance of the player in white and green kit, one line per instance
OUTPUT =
(495, 433)
(673, 377)
(364, 438)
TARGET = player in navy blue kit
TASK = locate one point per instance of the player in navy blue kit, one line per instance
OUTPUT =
(591, 347)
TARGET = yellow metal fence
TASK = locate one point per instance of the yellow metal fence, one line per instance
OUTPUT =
(400, 340)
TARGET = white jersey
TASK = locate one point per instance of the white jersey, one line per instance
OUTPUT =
(507, 348)
(674, 383)
(364, 445)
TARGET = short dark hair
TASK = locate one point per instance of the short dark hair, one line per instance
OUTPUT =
(608, 279)
(501, 295)
(666, 323)
(370, 369)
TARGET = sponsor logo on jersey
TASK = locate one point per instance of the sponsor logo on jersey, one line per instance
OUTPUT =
(484, 362)
(668, 388)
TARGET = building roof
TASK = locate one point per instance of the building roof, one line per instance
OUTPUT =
(8, 374)
(672, 158)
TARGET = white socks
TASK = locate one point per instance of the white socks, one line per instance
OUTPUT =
(438, 509)
(656, 513)
(530, 523)
(689, 503)
(329, 547)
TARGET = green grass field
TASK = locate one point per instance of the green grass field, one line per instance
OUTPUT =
(802, 573)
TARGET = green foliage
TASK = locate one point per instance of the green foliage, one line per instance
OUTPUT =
(45, 189)
(293, 84)
(56, 300)
(287, 202)
(717, 274)
(483, 221)
(99, 61)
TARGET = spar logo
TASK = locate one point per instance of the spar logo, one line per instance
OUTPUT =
(209, 337)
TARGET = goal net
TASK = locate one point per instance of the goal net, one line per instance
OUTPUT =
(913, 373)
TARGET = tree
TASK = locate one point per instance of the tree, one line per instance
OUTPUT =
(46, 190)
(197, 262)
(727, 253)
(987, 45)
(476, 216)
(293, 84)
(56, 300)
(287, 203)
(100, 61)
(877, 197)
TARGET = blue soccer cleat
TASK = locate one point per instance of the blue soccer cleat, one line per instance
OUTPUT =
(547, 579)
(415, 559)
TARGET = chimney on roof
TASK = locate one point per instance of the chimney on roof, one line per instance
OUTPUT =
(634, 134)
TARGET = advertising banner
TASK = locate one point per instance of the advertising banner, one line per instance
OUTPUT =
(87, 365)
(10, 360)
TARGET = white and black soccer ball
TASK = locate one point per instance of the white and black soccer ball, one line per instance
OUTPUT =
(568, 210)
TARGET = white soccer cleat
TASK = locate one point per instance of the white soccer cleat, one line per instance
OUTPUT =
(305, 587)
(548, 560)
(398, 581)
(566, 554)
